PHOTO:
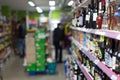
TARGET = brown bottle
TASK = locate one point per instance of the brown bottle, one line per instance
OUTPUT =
(109, 16)
(112, 18)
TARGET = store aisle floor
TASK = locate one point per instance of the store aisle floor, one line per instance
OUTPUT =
(13, 70)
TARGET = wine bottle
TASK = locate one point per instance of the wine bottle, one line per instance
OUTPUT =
(112, 18)
(109, 16)
(75, 72)
(107, 56)
(119, 16)
(103, 6)
(87, 20)
(117, 66)
(99, 20)
(99, 75)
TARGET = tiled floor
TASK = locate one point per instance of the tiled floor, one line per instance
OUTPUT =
(13, 70)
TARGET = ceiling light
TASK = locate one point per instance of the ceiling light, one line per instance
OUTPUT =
(31, 3)
(52, 3)
(52, 8)
(39, 10)
(70, 3)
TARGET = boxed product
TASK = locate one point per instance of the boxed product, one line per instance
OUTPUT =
(31, 67)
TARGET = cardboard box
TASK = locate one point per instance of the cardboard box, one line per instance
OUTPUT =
(31, 58)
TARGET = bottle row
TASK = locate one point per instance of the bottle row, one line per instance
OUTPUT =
(74, 72)
(103, 48)
(100, 14)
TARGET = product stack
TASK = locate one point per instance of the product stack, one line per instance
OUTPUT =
(30, 52)
(40, 49)
(35, 51)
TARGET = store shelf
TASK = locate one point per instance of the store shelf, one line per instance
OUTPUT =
(106, 33)
(95, 60)
(3, 34)
(4, 56)
(4, 47)
(82, 67)
(83, 4)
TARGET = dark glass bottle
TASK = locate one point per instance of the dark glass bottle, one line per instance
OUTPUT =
(117, 67)
(75, 71)
(80, 55)
(103, 6)
(87, 20)
(94, 18)
(107, 56)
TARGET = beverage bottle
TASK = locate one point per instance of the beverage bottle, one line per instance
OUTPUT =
(107, 56)
(112, 18)
(99, 20)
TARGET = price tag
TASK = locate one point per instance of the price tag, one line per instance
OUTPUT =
(96, 61)
(113, 77)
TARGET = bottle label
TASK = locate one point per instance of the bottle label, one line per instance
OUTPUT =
(87, 17)
(94, 16)
(108, 59)
(81, 20)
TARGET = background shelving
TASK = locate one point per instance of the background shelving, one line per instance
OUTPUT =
(100, 64)
(82, 67)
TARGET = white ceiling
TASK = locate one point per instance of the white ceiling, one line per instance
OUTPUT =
(23, 5)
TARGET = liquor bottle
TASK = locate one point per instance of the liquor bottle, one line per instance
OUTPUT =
(92, 68)
(119, 17)
(117, 69)
(92, 4)
(107, 56)
(80, 55)
(77, 17)
(91, 18)
(117, 64)
(94, 18)
(99, 20)
(87, 64)
(99, 75)
(112, 18)
(102, 46)
(105, 21)
(103, 6)
(87, 20)
(75, 71)
(81, 20)
(109, 16)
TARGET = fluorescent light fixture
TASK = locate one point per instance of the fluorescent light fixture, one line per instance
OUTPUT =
(31, 3)
(52, 3)
(70, 3)
(39, 10)
(52, 8)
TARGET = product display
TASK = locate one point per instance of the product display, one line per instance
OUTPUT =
(94, 46)
(36, 53)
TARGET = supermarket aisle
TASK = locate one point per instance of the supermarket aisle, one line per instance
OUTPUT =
(13, 70)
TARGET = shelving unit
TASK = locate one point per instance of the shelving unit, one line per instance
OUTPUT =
(83, 4)
(82, 67)
(106, 33)
(100, 64)
(92, 36)
(5, 38)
